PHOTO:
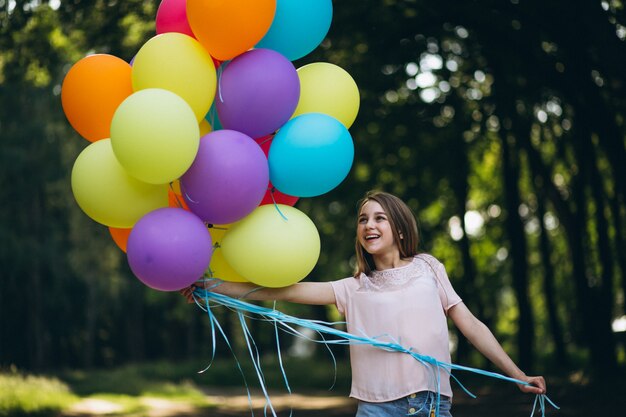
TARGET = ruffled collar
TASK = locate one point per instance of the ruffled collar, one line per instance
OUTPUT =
(394, 278)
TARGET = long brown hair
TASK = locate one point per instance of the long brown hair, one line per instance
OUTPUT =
(402, 222)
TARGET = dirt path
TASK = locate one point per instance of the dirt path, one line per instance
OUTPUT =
(499, 400)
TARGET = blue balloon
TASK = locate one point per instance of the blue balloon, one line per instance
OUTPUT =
(298, 27)
(310, 155)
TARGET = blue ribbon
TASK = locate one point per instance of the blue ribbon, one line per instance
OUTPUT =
(288, 324)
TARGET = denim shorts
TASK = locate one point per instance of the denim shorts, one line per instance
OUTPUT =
(419, 404)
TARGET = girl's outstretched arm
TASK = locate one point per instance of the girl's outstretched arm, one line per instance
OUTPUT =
(481, 337)
(302, 292)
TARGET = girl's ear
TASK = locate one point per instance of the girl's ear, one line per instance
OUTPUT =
(401, 237)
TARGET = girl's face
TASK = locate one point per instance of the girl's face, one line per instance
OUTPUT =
(374, 230)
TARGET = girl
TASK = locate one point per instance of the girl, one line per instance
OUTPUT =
(399, 295)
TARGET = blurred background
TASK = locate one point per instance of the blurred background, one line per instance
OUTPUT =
(501, 123)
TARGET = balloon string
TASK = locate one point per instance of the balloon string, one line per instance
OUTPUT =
(220, 71)
(176, 196)
(215, 324)
(276, 205)
(344, 338)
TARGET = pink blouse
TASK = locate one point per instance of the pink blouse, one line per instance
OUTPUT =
(405, 305)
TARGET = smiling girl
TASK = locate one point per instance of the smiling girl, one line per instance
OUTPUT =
(399, 295)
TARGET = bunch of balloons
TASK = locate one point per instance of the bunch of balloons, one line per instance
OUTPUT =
(202, 144)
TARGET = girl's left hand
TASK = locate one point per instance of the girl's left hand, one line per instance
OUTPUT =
(538, 385)
(188, 293)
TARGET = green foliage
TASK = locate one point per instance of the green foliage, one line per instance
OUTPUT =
(447, 89)
(32, 395)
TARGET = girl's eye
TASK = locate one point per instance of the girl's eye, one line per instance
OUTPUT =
(362, 220)
(381, 218)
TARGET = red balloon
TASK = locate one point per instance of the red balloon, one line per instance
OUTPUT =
(272, 195)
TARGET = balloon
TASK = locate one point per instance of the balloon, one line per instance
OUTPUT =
(272, 195)
(178, 63)
(205, 127)
(155, 135)
(270, 251)
(227, 28)
(227, 179)
(176, 200)
(298, 27)
(213, 119)
(219, 268)
(172, 17)
(175, 187)
(120, 237)
(329, 89)
(258, 93)
(105, 191)
(92, 90)
(169, 249)
(310, 155)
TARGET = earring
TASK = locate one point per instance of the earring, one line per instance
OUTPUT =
(401, 237)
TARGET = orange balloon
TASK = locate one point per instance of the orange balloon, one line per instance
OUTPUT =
(92, 90)
(120, 236)
(227, 28)
(176, 200)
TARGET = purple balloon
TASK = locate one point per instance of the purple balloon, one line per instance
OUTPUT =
(169, 249)
(228, 178)
(258, 92)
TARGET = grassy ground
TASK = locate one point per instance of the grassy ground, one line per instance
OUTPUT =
(139, 390)
(170, 389)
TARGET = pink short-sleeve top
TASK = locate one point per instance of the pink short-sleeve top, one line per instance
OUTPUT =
(405, 305)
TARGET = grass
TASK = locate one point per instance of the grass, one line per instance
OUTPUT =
(32, 395)
(127, 387)
(170, 380)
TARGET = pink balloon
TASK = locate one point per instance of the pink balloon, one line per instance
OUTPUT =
(169, 249)
(228, 178)
(172, 17)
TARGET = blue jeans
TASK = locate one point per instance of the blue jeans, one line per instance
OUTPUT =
(419, 404)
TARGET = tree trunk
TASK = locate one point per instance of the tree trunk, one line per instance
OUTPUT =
(605, 308)
(620, 249)
(468, 290)
(519, 264)
(556, 330)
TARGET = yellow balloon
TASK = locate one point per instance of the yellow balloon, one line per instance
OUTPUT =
(219, 267)
(328, 89)
(155, 135)
(205, 127)
(177, 63)
(105, 191)
(272, 251)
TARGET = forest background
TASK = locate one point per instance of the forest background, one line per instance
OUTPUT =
(501, 123)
